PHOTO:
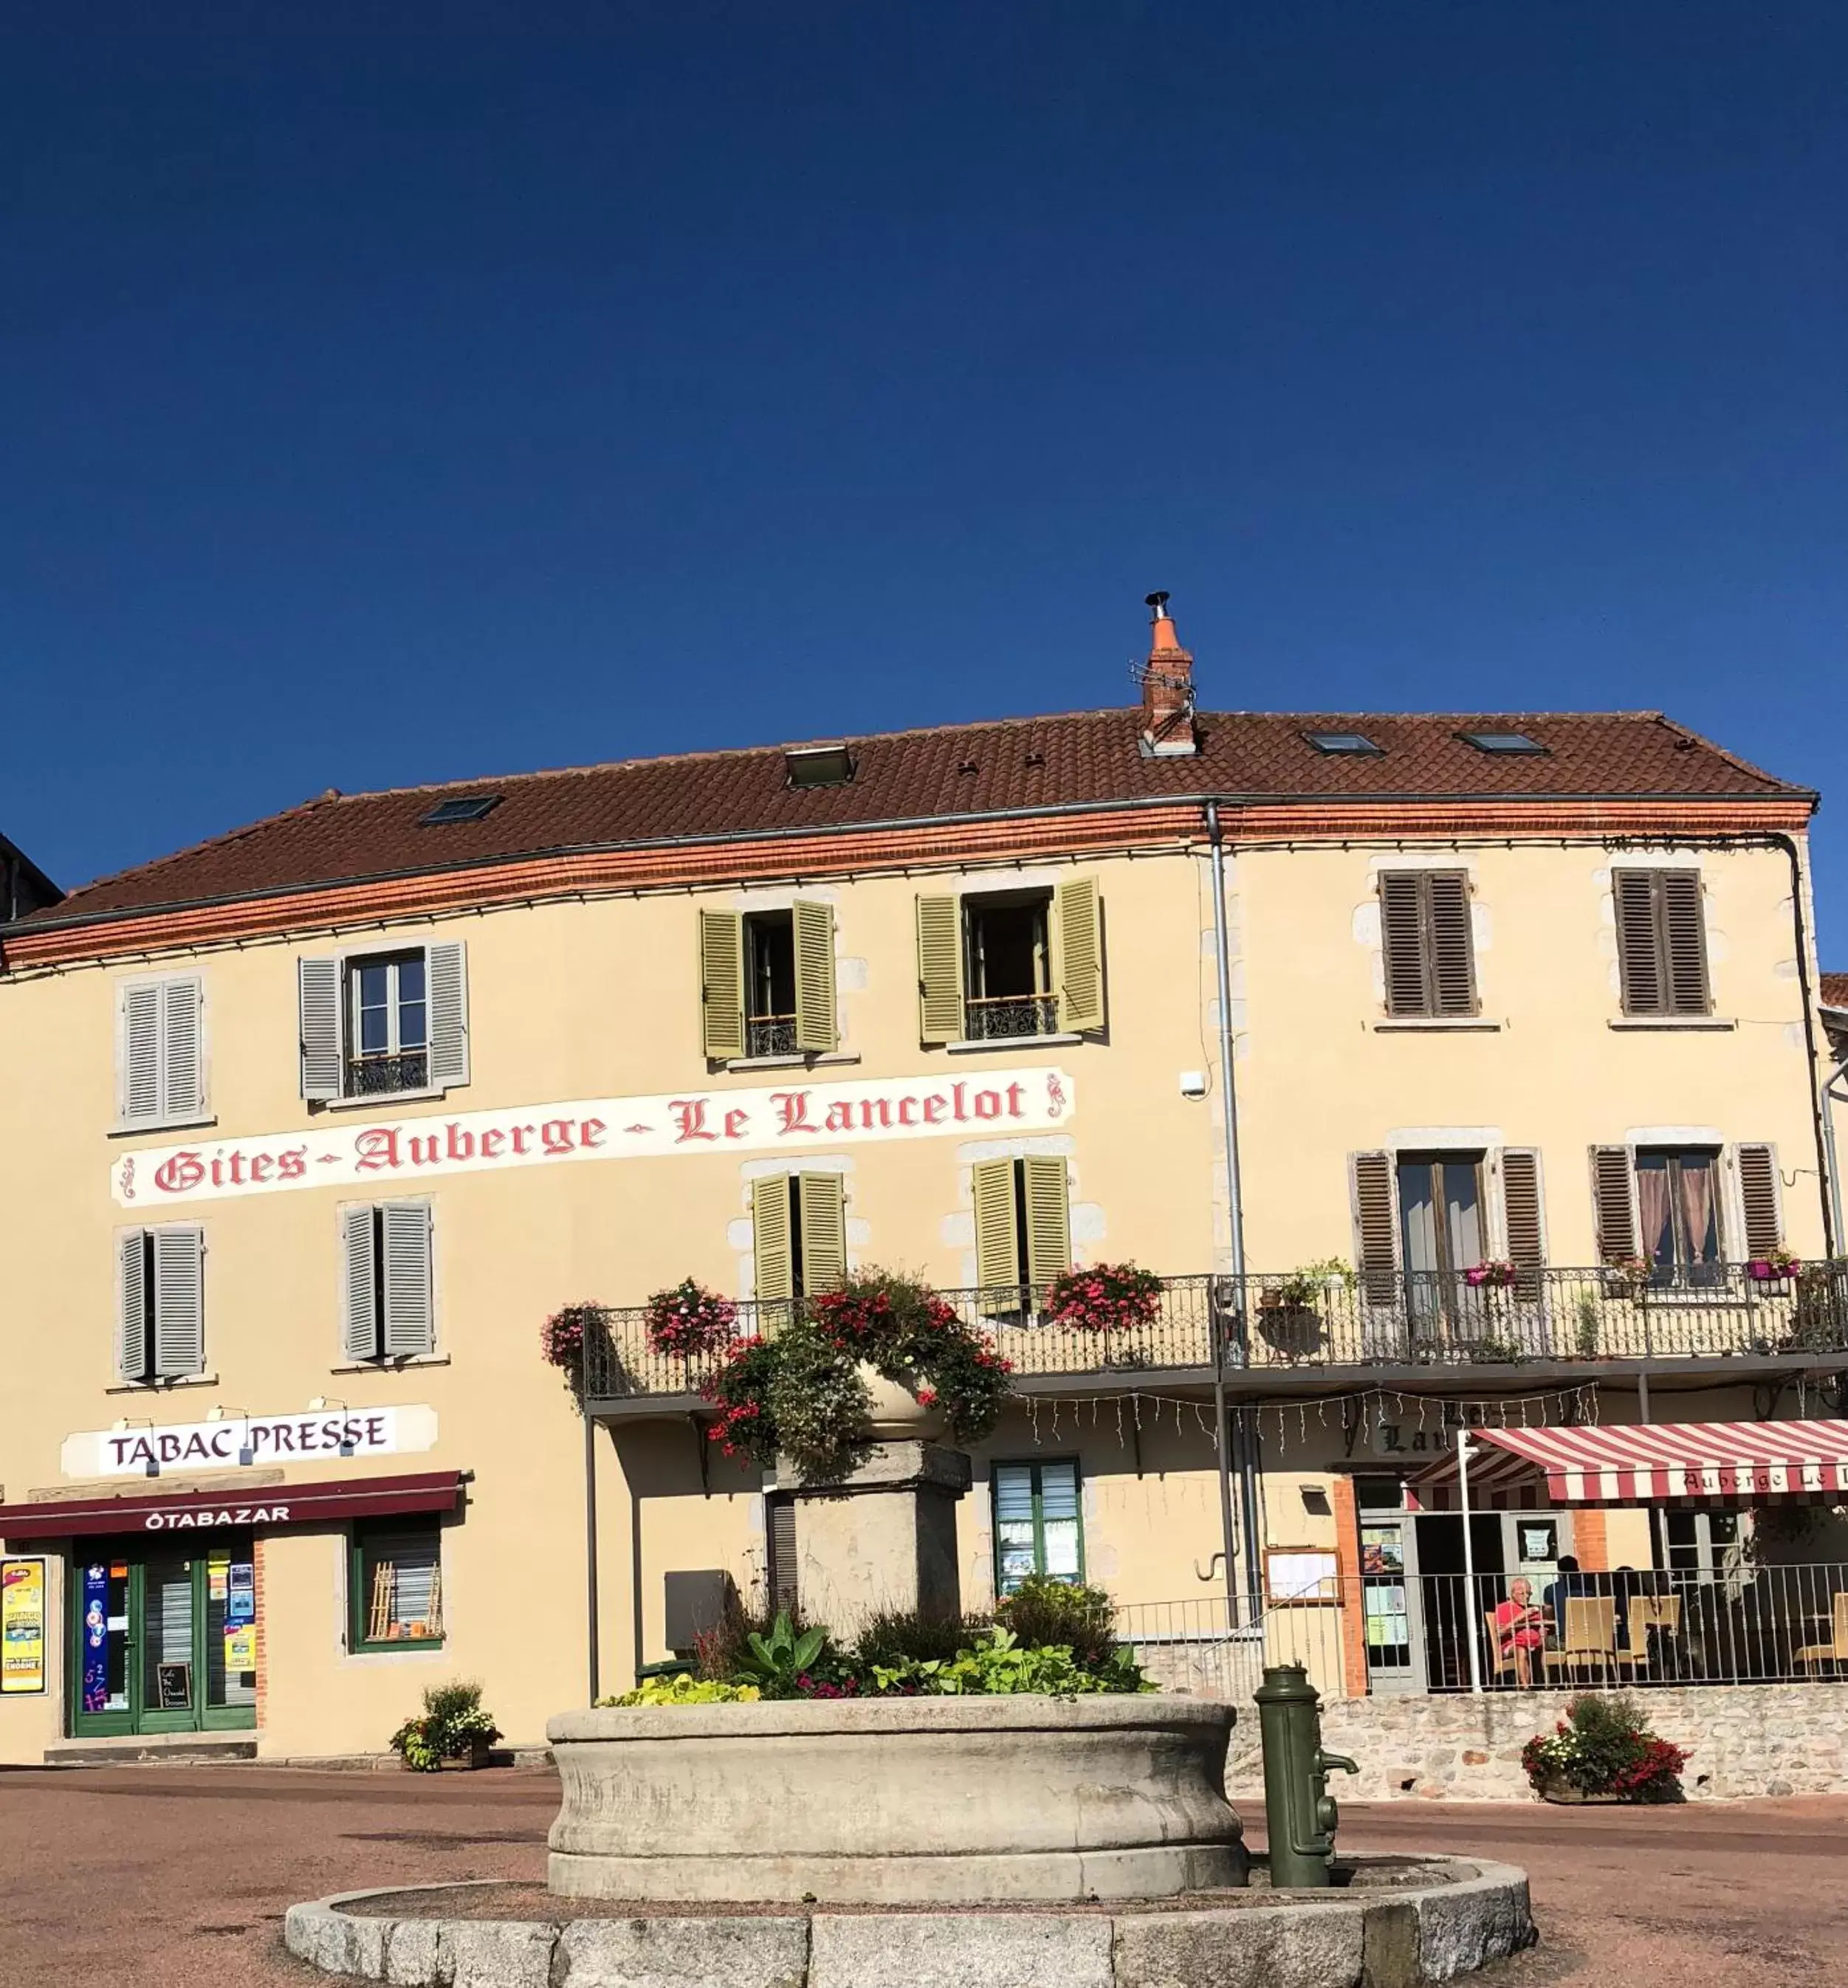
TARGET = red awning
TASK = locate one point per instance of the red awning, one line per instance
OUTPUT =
(148, 1510)
(1651, 1463)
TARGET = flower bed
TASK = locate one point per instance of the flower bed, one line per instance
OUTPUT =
(1603, 1749)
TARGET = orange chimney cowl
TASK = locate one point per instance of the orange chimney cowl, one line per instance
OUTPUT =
(1167, 688)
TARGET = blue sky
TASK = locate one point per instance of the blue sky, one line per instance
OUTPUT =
(398, 394)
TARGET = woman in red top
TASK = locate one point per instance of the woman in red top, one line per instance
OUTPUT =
(1520, 1629)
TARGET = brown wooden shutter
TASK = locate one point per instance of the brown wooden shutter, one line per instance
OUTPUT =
(1521, 1219)
(1758, 1185)
(1683, 926)
(1639, 950)
(1402, 938)
(1614, 1195)
(1376, 1226)
(1452, 966)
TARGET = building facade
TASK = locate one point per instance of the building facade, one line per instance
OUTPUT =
(312, 1127)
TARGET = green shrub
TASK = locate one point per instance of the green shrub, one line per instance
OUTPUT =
(789, 1661)
(450, 1723)
(684, 1690)
(894, 1637)
(997, 1664)
(1043, 1610)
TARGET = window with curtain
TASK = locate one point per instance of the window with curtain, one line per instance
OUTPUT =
(397, 1591)
(1678, 1215)
(1038, 1525)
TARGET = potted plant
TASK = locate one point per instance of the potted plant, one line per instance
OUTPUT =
(1289, 1313)
(1603, 1751)
(1628, 1277)
(1491, 1276)
(1775, 1266)
(1106, 1299)
(452, 1731)
(561, 1338)
(688, 1320)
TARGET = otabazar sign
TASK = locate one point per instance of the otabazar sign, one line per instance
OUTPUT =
(250, 1441)
(791, 1117)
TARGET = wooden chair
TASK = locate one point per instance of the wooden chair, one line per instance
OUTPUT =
(1836, 1650)
(1588, 1637)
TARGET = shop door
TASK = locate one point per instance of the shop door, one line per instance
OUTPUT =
(164, 1641)
(1453, 1612)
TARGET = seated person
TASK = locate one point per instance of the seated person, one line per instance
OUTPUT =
(1570, 1583)
(1520, 1628)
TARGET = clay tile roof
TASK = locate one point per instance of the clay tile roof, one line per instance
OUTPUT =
(1835, 991)
(1002, 765)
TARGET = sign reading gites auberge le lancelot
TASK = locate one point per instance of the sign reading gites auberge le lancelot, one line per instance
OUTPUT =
(790, 1118)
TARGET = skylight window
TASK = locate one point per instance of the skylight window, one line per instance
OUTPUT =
(1354, 742)
(1501, 741)
(819, 765)
(468, 807)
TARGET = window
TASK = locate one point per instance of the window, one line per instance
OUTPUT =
(817, 765)
(1661, 942)
(1501, 742)
(160, 1303)
(1039, 1526)
(1422, 1220)
(395, 1587)
(767, 982)
(374, 1025)
(468, 807)
(1023, 1223)
(1354, 742)
(1678, 1215)
(160, 1051)
(388, 1310)
(1003, 966)
(799, 1235)
(1696, 1542)
(1429, 957)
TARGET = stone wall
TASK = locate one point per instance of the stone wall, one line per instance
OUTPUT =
(1741, 1739)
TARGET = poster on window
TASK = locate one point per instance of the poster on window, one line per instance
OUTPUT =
(96, 1638)
(22, 1627)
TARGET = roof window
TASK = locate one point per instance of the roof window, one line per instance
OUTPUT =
(819, 765)
(467, 807)
(1354, 742)
(1501, 742)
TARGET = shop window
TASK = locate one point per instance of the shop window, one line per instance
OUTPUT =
(1039, 1527)
(396, 1587)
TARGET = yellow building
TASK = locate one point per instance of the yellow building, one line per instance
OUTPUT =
(306, 1132)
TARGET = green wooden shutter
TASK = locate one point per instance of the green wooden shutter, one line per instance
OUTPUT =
(815, 937)
(1077, 952)
(771, 1239)
(940, 970)
(822, 1202)
(1048, 1220)
(998, 1233)
(722, 984)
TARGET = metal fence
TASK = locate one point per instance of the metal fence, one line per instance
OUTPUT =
(1209, 1648)
(1278, 1322)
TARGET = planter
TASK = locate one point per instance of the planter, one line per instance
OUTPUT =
(897, 1414)
(905, 1801)
(1564, 1795)
(478, 1756)
(1292, 1330)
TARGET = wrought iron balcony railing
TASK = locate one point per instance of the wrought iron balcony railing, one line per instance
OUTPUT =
(770, 1035)
(1009, 1017)
(1274, 1324)
(379, 1076)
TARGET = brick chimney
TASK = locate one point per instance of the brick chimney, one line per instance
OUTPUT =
(1167, 681)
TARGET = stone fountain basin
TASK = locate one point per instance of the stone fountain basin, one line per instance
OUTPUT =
(896, 1801)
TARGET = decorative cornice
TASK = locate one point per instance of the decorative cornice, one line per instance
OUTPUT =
(902, 847)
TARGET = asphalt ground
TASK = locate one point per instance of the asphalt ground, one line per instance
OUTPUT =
(171, 1877)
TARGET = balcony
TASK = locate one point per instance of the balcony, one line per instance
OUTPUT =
(770, 1035)
(1262, 1330)
(1008, 1018)
(380, 1076)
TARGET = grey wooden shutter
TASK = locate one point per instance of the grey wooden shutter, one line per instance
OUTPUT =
(940, 970)
(140, 1084)
(446, 975)
(1522, 1219)
(318, 1001)
(822, 1200)
(1376, 1226)
(814, 947)
(410, 1320)
(131, 1304)
(182, 1049)
(1078, 951)
(1614, 1197)
(772, 1239)
(1684, 929)
(1401, 942)
(358, 1283)
(722, 985)
(179, 1289)
(782, 1540)
(1758, 1196)
(1453, 960)
(1045, 1195)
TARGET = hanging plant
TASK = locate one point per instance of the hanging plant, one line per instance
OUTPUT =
(688, 1320)
(561, 1338)
(801, 1394)
(1493, 1276)
(1108, 1297)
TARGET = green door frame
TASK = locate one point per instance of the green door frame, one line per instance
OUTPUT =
(140, 1717)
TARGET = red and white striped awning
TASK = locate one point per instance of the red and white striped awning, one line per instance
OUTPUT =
(1650, 1463)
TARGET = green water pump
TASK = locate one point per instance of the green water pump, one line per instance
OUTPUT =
(1300, 1814)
